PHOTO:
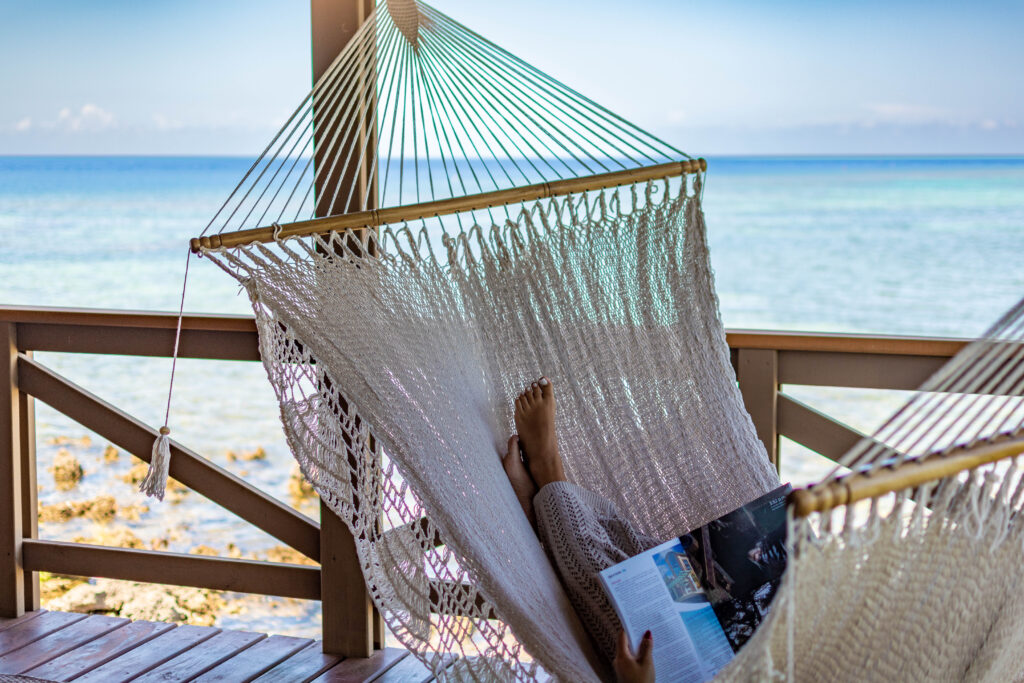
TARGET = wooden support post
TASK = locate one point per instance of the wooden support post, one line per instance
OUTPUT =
(29, 490)
(349, 626)
(12, 577)
(334, 23)
(758, 375)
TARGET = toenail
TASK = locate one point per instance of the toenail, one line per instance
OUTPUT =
(543, 381)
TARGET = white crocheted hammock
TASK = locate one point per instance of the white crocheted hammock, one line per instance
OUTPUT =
(423, 331)
(432, 352)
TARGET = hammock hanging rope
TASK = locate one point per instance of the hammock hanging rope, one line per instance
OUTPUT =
(445, 123)
(520, 229)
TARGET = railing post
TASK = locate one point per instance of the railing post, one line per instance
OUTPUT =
(349, 624)
(334, 23)
(29, 489)
(758, 375)
(12, 577)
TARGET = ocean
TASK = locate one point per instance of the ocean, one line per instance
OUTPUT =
(919, 246)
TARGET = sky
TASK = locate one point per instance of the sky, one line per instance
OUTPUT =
(219, 77)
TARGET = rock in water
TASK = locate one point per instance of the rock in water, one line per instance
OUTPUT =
(299, 489)
(67, 470)
(257, 454)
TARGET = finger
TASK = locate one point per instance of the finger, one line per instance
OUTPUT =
(622, 652)
(646, 645)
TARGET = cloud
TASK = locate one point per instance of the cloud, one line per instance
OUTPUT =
(165, 123)
(904, 114)
(88, 118)
(84, 119)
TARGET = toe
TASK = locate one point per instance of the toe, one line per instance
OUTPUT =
(512, 459)
(546, 389)
(535, 392)
(515, 467)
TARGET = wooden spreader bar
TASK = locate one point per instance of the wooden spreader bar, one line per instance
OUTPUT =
(906, 475)
(443, 207)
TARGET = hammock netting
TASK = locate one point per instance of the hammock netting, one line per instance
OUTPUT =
(396, 354)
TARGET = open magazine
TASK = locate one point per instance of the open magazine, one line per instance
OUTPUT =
(703, 594)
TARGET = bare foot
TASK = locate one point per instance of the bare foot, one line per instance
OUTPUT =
(522, 484)
(535, 422)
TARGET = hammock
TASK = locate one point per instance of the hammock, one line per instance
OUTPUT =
(436, 224)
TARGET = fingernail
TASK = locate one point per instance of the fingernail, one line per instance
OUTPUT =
(648, 635)
(543, 381)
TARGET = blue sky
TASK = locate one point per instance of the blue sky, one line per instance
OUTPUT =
(785, 77)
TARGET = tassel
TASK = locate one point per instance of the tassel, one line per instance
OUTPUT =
(155, 482)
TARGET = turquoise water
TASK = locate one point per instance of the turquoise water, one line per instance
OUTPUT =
(900, 245)
(897, 246)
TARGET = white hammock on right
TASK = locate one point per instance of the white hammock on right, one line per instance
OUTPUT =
(926, 583)
(608, 289)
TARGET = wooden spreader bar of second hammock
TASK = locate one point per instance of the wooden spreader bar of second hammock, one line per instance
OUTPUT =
(906, 475)
(443, 207)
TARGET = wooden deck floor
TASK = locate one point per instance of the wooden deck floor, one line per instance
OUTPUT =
(63, 646)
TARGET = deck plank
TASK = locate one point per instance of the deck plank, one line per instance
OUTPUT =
(57, 643)
(303, 666)
(150, 655)
(202, 657)
(255, 660)
(97, 652)
(60, 646)
(409, 670)
(359, 670)
(8, 622)
(31, 630)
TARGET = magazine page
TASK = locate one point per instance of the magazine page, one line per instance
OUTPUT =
(658, 590)
(739, 560)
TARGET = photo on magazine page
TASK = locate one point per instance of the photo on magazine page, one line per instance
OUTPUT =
(739, 560)
(711, 649)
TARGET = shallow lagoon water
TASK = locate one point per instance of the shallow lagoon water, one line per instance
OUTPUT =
(894, 246)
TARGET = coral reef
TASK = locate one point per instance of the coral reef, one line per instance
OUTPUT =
(299, 488)
(102, 509)
(66, 469)
(255, 454)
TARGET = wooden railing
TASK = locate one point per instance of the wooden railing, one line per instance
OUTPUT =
(350, 625)
(766, 360)
(763, 361)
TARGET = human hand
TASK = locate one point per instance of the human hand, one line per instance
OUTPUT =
(638, 669)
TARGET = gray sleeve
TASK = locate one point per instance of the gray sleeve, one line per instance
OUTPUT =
(583, 534)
